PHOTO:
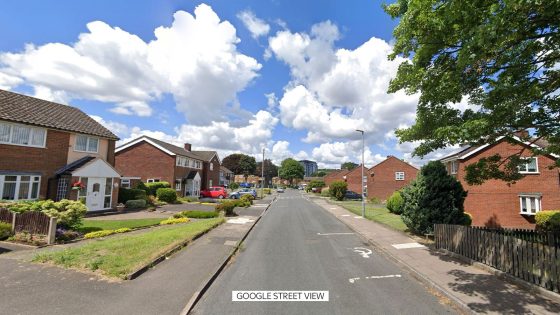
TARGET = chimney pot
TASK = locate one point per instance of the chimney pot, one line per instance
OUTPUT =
(188, 146)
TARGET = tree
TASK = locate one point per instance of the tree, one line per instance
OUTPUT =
(270, 170)
(291, 169)
(240, 164)
(499, 56)
(433, 197)
(314, 184)
(337, 189)
(319, 174)
(348, 166)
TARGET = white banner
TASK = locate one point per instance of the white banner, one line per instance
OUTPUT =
(280, 296)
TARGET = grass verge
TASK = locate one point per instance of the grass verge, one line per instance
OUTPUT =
(375, 213)
(120, 255)
(98, 225)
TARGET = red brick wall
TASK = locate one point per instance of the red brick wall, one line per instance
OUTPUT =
(213, 175)
(111, 152)
(335, 176)
(45, 161)
(353, 179)
(494, 203)
(381, 177)
(146, 161)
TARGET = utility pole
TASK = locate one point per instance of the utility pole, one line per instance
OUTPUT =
(262, 176)
(362, 178)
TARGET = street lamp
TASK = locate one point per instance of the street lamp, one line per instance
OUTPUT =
(262, 177)
(362, 178)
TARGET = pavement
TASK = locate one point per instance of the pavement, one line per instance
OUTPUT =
(29, 288)
(473, 288)
(298, 246)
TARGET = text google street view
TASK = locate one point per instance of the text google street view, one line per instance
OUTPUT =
(280, 157)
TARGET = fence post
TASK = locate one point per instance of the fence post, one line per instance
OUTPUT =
(14, 222)
(52, 231)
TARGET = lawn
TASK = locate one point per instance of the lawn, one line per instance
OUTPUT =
(98, 225)
(120, 255)
(374, 212)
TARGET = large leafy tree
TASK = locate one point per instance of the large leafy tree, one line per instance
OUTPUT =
(291, 169)
(270, 170)
(240, 164)
(502, 56)
(348, 166)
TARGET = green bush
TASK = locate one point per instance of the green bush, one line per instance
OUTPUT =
(395, 202)
(69, 213)
(228, 207)
(337, 189)
(548, 220)
(135, 204)
(233, 186)
(140, 185)
(314, 184)
(167, 195)
(433, 197)
(153, 187)
(247, 198)
(174, 221)
(198, 214)
(267, 191)
(5, 230)
(126, 194)
(97, 234)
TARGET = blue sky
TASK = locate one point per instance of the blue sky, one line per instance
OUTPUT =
(298, 83)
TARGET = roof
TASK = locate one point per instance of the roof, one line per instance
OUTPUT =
(225, 169)
(20, 108)
(69, 168)
(164, 146)
(391, 157)
(206, 155)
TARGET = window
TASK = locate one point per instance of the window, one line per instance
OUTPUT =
(530, 204)
(182, 161)
(211, 166)
(530, 166)
(83, 192)
(399, 175)
(153, 180)
(125, 183)
(108, 192)
(453, 167)
(178, 184)
(22, 135)
(62, 188)
(86, 144)
(19, 187)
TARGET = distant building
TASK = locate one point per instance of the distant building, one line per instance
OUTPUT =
(310, 167)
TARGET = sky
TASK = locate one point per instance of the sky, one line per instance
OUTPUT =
(296, 78)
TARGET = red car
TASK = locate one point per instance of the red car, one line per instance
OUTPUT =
(214, 192)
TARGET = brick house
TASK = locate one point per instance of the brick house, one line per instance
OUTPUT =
(46, 148)
(150, 160)
(389, 176)
(338, 175)
(495, 203)
(352, 178)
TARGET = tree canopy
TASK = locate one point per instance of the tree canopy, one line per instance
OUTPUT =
(502, 57)
(240, 163)
(348, 166)
(291, 169)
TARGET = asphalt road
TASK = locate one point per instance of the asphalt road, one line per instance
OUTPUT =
(291, 248)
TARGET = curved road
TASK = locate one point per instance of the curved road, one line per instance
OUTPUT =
(293, 248)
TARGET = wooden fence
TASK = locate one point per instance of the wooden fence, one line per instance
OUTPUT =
(34, 222)
(526, 254)
(6, 215)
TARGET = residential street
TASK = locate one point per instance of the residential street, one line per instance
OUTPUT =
(299, 246)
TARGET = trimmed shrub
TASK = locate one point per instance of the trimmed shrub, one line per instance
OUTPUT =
(395, 202)
(314, 184)
(153, 187)
(228, 207)
(68, 213)
(142, 186)
(233, 186)
(126, 194)
(97, 234)
(167, 195)
(174, 221)
(267, 191)
(5, 230)
(433, 197)
(198, 214)
(548, 220)
(337, 189)
(135, 204)
(123, 230)
(247, 199)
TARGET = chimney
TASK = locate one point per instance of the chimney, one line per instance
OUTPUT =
(188, 146)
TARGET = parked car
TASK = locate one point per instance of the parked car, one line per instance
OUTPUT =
(245, 185)
(214, 192)
(244, 191)
(280, 190)
(352, 195)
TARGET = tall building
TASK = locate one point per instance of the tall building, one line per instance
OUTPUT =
(310, 167)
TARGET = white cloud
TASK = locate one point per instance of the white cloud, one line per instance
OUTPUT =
(195, 59)
(333, 154)
(256, 26)
(119, 129)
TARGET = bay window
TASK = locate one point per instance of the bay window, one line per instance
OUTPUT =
(19, 187)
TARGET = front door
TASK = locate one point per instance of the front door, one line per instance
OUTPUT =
(95, 193)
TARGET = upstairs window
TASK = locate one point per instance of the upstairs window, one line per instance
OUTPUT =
(182, 161)
(399, 175)
(530, 166)
(454, 167)
(211, 166)
(86, 144)
(22, 135)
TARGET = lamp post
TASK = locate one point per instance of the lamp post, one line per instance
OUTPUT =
(262, 177)
(362, 178)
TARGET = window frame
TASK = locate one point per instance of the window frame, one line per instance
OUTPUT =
(453, 167)
(153, 180)
(526, 171)
(18, 184)
(88, 137)
(397, 177)
(31, 132)
(178, 184)
(123, 180)
(538, 203)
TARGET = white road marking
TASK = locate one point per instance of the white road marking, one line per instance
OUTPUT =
(353, 280)
(408, 245)
(344, 215)
(335, 233)
(365, 252)
(357, 217)
(333, 208)
(239, 220)
(230, 243)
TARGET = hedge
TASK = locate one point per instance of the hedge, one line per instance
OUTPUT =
(153, 187)
(126, 194)
(134, 204)
(548, 220)
(167, 195)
